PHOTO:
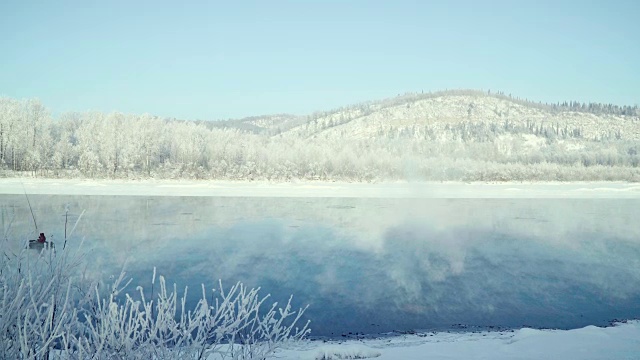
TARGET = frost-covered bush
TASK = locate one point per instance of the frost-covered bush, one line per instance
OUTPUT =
(347, 352)
(50, 310)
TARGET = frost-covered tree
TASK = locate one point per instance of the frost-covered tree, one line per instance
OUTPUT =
(147, 140)
(65, 141)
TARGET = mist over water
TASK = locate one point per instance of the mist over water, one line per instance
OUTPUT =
(370, 265)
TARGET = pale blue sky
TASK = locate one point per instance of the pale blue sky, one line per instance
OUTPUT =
(215, 59)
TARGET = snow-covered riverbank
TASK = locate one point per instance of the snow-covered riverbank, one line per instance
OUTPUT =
(620, 342)
(321, 189)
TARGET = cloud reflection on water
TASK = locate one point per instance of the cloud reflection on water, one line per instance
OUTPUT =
(372, 265)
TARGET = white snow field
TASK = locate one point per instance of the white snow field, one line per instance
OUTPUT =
(620, 342)
(534, 190)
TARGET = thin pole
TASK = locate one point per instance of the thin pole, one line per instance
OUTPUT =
(30, 208)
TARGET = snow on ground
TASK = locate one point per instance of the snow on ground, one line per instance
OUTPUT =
(620, 342)
(321, 189)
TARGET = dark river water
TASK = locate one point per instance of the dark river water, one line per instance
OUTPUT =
(369, 265)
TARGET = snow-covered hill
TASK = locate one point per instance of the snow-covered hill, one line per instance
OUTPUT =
(264, 124)
(435, 115)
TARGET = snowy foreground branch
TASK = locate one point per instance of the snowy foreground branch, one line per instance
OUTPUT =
(50, 310)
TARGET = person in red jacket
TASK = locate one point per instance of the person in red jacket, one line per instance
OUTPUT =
(39, 243)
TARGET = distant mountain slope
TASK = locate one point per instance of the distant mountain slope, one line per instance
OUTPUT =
(264, 124)
(437, 115)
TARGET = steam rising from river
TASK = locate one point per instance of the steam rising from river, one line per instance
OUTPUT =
(374, 264)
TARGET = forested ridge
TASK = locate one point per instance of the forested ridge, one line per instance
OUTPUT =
(462, 135)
